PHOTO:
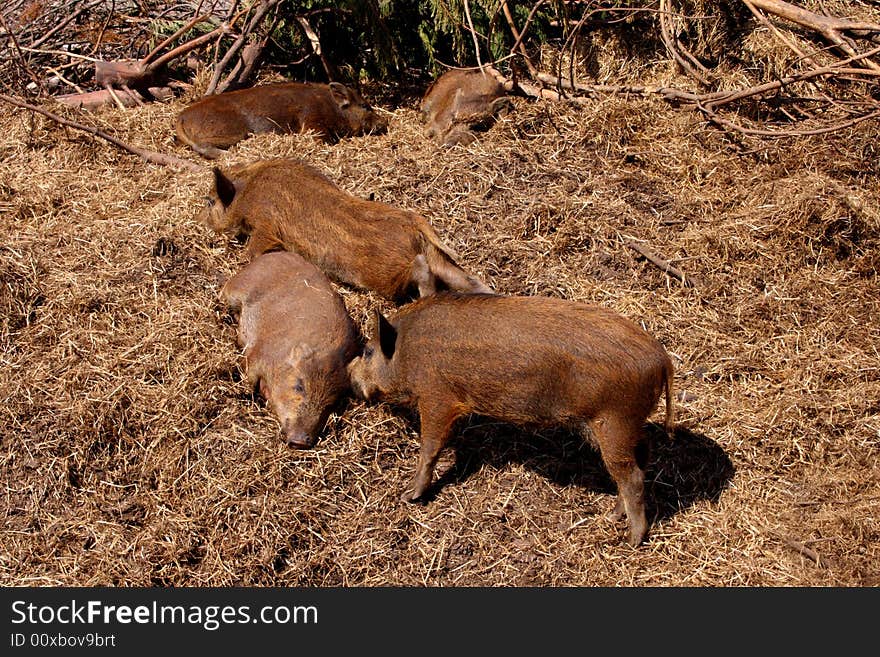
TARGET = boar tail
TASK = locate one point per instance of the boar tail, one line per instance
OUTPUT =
(669, 423)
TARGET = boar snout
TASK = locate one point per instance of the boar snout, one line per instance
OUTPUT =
(376, 124)
(297, 438)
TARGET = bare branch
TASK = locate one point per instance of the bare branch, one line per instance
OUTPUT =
(673, 48)
(315, 42)
(150, 156)
(657, 261)
(518, 36)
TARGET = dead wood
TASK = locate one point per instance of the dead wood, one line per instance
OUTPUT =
(835, 104)
(679, 53)
(218, 86)
(806, 551)
(834, 29)
(315, 42)
(150, 156)
(657, 261)
(92, 100)
(518, 36)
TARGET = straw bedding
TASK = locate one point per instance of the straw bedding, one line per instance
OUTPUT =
(133, 453)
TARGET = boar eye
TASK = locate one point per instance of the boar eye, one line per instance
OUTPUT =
(209, 201)
(299, 387)
(368, 352)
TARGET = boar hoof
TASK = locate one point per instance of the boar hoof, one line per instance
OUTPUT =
(410, 496)
(616, 514)
(634, 538)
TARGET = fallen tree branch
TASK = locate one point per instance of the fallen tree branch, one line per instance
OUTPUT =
(531, 89)
(806, 551)
(830, 27)
(657, 261)
(67, 20)
(150, 156)
(91, 100)
(778, 134)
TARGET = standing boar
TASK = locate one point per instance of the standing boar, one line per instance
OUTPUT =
(525, 360)
(297, 339)
(285, 204)
(461, 102)
(215, 123)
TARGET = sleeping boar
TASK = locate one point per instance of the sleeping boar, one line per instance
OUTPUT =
(525, 360)
(461, 102)
(297, 338)
(285, 204)
(215, 123)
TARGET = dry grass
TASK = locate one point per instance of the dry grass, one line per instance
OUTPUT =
(133, 454)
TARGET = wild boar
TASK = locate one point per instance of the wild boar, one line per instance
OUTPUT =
(297, 338)
(288, 205)
(528, 361)
(214, 123)
(461, 102)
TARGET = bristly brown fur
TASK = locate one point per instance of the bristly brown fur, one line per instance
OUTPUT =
(297, 338)
(214, 123)
(287, 204)
(525, 360)
(460, 102)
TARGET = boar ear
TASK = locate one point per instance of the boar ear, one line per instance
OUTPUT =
(224, 187)
(340, 94)
(387, 335)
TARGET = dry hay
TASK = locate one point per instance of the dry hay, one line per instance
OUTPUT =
(133, 454)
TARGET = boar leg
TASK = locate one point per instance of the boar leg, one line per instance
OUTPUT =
(422, 276)
(207, 151)
(456, 279)
(261, 242)
(616, 440)
(436, 421)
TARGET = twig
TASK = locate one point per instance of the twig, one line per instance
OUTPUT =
(808, 552)
(467, 13)
(791, 45)
(829, 27)
(760, 132)
(517, 35)
(530, 89)
(18, 52)
(100, 37)
(656, 260)
(150, 156)
(214, 85)
(671, 47)
(315, 43)
(526, 26)
(63, 23)
(186, 28)
(186, 47)
(115, 98)
(65, 80)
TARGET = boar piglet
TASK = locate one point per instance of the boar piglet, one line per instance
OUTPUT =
(528, 361)
(284, 204)
(214, 123)
(297, 338)
(461, 102)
